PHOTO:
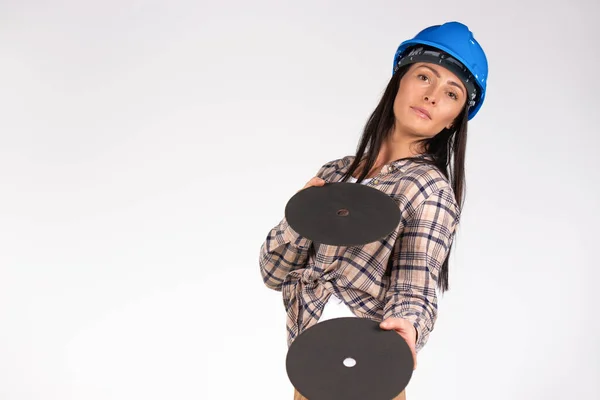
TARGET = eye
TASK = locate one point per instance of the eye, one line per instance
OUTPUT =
(453, 95)
(422, 77)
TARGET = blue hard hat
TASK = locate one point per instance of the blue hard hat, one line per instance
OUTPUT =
(457, 40)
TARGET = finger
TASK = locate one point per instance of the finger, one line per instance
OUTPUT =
(392, 324)
(316, 181)
(386, 324)
(401, 330)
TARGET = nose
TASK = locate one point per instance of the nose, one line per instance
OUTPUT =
(430, 95)
(429, 99)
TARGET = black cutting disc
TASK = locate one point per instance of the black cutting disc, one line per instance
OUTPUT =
(349, 359)
(342, 214)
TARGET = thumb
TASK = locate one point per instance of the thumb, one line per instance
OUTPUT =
(386, 324)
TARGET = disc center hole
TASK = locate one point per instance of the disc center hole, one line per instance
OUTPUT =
(349, 362)
(342, 212)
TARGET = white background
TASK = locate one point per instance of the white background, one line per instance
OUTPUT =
(147, 148)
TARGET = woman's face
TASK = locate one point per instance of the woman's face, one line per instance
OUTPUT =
(429, 99)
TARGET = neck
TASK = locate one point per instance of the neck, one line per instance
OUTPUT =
(398, 145)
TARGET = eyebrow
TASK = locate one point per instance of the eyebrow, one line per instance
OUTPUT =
(438, 75)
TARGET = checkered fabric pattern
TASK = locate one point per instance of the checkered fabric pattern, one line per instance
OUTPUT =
(392, 277)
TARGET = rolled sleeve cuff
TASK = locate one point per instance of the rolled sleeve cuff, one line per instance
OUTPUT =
(293, 237)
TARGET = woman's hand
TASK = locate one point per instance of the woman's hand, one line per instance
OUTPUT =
(316, 181)
(405, 329)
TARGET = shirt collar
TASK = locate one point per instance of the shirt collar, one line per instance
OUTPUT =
(401, 164)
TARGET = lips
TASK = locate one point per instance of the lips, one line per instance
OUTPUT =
(423, 113)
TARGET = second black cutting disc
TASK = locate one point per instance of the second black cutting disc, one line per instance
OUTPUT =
(342, 214)
(349, 359)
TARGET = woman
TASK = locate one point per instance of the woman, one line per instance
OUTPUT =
(413, 149)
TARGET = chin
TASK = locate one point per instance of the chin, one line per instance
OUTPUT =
(424, 135)
(421, 129)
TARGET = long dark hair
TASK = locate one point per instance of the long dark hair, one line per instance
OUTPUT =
(448, 145)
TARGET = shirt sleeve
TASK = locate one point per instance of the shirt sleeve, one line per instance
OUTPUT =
(419, 252)
(284, 249)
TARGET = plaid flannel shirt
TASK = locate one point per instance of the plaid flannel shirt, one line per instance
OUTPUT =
(392, 277)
